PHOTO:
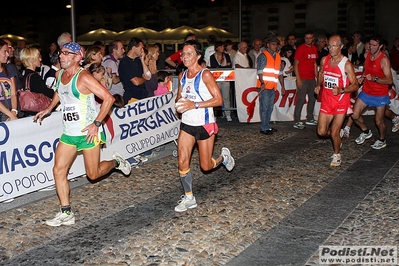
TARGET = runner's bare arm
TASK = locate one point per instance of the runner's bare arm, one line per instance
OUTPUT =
(386, 68)
(319, 76)
(88, 84)
(350, 72)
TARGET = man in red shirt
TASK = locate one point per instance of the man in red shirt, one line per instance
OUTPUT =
(377, 77)
(305, 68)
(338, 80)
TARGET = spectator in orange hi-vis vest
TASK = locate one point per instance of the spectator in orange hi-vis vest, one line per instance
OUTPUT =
(270, 71)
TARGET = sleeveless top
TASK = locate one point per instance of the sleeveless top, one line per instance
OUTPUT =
(194, 89)
(78, 110)
(335, 76)
(374, 69)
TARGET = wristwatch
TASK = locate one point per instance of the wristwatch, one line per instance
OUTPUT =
(375, 79)
(196, 104)
(342, 90)
(97, 123)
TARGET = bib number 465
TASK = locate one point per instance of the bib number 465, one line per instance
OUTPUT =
(71, 116)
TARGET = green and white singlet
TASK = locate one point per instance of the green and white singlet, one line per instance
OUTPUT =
(78, 110)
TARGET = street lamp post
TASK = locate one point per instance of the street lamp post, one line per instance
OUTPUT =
(73, 20)
(71, 6)
(239, 20)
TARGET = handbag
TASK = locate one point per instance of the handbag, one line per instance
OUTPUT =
(32, 101)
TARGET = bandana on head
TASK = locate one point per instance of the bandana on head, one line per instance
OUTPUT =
(73, 46)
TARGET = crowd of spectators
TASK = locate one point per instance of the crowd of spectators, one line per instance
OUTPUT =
(137, 70)
(130, 71)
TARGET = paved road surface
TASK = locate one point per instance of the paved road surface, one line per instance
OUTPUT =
(281, 202)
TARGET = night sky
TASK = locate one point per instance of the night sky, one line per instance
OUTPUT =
(84, 7)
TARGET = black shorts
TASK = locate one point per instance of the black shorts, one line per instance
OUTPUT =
(200, 132)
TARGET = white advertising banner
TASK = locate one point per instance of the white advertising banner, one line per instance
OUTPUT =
(284, 105)
(27, 149)
(141, 126)
(27, 155)
(246, 92)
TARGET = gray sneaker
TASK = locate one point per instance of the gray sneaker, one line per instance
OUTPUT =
(124, 165)
(363, 136)
(378, 144)
(311, 122)
(228, 160)
(185, 203)
(134, 163)
(62, 218)
(299, 125)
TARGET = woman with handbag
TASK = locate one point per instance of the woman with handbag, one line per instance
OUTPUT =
(8, 90)
(31, 58)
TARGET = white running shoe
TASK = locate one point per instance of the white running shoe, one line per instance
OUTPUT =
(336, 160)
(363, 136)
(228, 160)
(229, 118)
(344, 133)
(185, 203)
(62, 218)
(124, 165)
(378, 144)
(395, 124)
(140, 158)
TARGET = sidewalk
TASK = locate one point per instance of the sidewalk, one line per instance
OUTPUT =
(280, 203)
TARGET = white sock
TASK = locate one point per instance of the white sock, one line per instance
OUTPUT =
(190, 197)
(347, 128)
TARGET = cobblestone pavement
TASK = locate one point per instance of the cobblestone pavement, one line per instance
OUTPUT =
(131, 221)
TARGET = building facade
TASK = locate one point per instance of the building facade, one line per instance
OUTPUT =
(256, 20)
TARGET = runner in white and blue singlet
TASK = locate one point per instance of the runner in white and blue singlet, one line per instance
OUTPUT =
(197, 94)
